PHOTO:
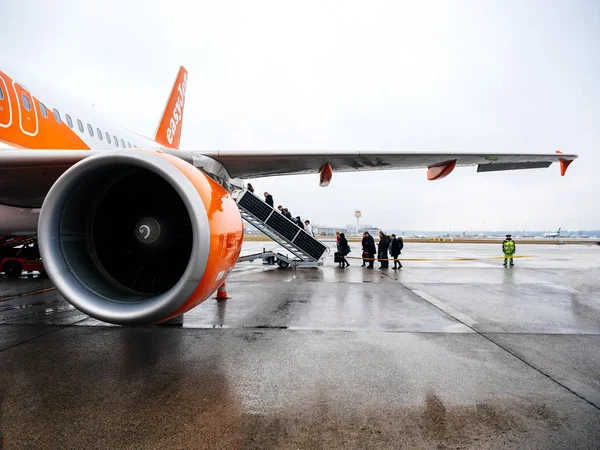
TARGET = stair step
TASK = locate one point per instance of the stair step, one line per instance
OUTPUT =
(266, 219)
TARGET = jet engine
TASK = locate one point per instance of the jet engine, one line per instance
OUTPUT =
(133, 237)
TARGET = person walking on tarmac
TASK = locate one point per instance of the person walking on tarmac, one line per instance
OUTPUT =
(365, 252)
(396, 249)
(382, 254)
(343, 249)
(368, 246)
(509, 248)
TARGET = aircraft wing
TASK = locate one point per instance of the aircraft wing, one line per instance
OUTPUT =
(26, 176)
(250, 164)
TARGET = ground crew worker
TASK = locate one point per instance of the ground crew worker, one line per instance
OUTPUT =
(509, 248)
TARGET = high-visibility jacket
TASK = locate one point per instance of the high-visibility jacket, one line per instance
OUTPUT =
(509, 247)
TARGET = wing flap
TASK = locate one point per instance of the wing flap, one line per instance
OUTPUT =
(513, 166)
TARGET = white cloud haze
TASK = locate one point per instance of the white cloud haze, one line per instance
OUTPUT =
(472, 76)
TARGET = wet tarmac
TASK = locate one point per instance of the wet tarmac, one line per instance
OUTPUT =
(442, 354)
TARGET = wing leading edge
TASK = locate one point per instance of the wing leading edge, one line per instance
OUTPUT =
(250, 164)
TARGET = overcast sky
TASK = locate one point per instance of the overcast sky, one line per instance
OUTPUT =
(439, 76)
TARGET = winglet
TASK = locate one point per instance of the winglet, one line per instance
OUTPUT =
(564, 163)
(168, 132)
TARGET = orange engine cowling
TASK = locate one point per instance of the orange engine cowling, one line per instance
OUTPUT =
(133, 237)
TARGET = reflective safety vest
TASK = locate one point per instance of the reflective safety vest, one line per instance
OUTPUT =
(508, 246)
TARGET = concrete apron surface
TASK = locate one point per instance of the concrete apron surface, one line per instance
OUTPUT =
(441, 354)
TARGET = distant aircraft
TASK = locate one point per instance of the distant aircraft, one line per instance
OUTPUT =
(552, 235)
(133, 230)
(420, 236)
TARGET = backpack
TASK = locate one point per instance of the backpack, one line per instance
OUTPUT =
(400, 242)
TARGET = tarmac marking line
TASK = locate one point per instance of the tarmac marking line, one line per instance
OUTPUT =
(55, 329)
(588, 395)
(447, 308)
(26, 294)
(568, 289)
(441, 259)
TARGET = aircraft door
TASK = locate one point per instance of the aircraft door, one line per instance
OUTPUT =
(5, 111)
(27, 110)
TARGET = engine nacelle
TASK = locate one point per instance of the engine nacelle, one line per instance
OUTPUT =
(132, 237)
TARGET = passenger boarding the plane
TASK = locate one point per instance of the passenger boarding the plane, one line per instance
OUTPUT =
(269, 199)
(308, 228)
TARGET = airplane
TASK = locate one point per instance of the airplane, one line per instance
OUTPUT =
(134, 230)
(552, 235)
(419, 236)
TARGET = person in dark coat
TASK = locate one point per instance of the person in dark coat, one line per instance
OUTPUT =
(250, 188)
(269, 199)
(299, 222)
(288, 214)
(382, 251)
(365, 253)
(343, 249)
(368, 246)
(395, 250)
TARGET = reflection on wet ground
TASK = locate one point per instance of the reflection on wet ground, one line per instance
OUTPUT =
(439, 355)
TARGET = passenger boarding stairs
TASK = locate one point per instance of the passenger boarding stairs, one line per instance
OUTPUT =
(279, 228)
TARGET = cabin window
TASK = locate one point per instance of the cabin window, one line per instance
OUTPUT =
(80, 125)
(90, 130)
(57, 115)
(128, 144)
(122, 143)
(26, 103)
(99, 131)
(108, 138)
(69, 121)
(116, 140)
(43, 110)
(1, 94)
